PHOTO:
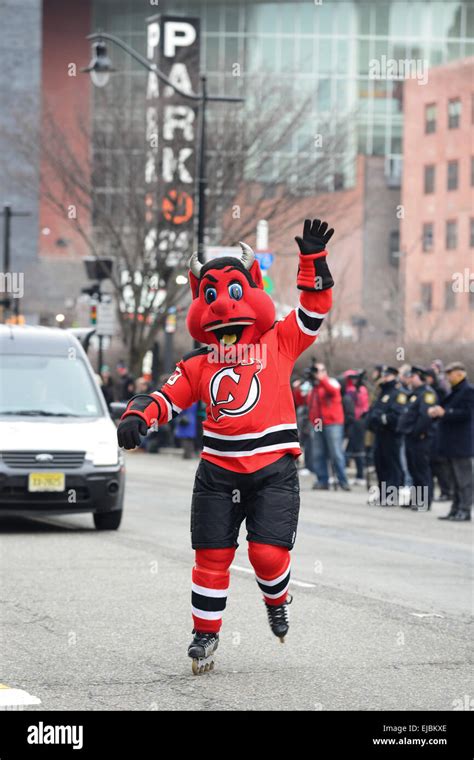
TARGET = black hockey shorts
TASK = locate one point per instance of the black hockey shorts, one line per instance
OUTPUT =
(268, 500)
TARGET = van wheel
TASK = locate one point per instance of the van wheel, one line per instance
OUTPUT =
(108, 520)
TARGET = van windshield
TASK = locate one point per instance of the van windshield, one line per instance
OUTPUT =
(49, 386)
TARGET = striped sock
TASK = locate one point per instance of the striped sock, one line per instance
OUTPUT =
(210, 583)
(272, 571)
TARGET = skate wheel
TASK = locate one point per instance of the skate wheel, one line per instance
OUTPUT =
(199, 667)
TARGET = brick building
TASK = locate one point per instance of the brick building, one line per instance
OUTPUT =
(437, 230)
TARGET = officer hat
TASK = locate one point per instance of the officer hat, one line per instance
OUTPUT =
(387, 370)
(455, 365)
(429, 372)
(418, 371)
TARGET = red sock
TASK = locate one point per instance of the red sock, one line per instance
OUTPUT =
(209, 588)
(272, 570)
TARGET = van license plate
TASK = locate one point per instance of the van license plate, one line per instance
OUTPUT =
(46, 481)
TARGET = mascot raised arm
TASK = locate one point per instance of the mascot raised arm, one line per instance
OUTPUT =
(248, 468)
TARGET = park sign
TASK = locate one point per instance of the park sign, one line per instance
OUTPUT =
(171, 133)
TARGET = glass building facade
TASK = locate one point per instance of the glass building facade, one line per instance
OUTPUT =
(320, 52)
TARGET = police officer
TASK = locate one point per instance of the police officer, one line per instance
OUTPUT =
(382, 419)
(417, 427)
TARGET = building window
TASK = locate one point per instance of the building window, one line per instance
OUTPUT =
(472, 171)
(429, 178)
(430, 118)
(452, 175)
(454, 113)
(428, 233)
(451, 235)
(427, 296)
(471, 294)
(449, 296)
(394, 248)
(471, 233)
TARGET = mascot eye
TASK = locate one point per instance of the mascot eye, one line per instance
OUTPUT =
(210, 295)
(235, 291)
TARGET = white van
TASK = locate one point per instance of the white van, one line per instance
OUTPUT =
(58, 444)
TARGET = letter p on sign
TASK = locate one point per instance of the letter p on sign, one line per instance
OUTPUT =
(177, 34)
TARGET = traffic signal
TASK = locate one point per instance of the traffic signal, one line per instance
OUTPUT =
(93, 314)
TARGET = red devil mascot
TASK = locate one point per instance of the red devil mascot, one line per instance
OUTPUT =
(247, 469)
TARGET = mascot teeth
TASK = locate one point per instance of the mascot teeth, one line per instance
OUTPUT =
(228, 340)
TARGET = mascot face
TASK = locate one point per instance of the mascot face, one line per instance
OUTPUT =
(229, 304)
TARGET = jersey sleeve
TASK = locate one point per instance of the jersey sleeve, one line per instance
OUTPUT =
(300, 328)
(178, 393)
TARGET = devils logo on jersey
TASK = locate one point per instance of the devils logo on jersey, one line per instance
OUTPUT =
(235, 390)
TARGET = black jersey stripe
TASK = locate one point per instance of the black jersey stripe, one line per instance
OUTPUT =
(174, 413)
(311, 323)
(278, 588)
(196, 352)
(140, 402)
(251, 444)
(208, 603)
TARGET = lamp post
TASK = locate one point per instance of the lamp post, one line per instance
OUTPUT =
(100, 68)
(8, 213)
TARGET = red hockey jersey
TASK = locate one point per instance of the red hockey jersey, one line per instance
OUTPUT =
(250, 413)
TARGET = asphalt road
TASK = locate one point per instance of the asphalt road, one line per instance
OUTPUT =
(380, 618)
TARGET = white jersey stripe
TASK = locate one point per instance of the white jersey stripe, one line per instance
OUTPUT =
(305, 329)
(275, 580)
(314, 314)
(246, 436)
(276, 596)
(214, 592)
(168, 405)
(207, 614)
(259, 450)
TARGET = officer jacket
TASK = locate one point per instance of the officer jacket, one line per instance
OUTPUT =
(456, 428)
(415, 421)
(386, 410)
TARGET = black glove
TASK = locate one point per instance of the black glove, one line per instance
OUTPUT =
(313, 272)
(130, 431)
(316, 236)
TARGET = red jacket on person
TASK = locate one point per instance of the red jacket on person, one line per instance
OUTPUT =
(325, 402)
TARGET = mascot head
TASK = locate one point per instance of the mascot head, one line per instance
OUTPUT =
(229, 304)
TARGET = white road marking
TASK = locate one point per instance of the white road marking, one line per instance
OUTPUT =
(10, 697)
(301, 584)
(426, 614)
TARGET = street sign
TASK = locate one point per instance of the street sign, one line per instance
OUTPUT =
(170, 324)
(173, 45)
(267, 284)
(105, 318)
(265, 259)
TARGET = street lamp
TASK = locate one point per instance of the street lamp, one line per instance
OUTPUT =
(101, 66)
